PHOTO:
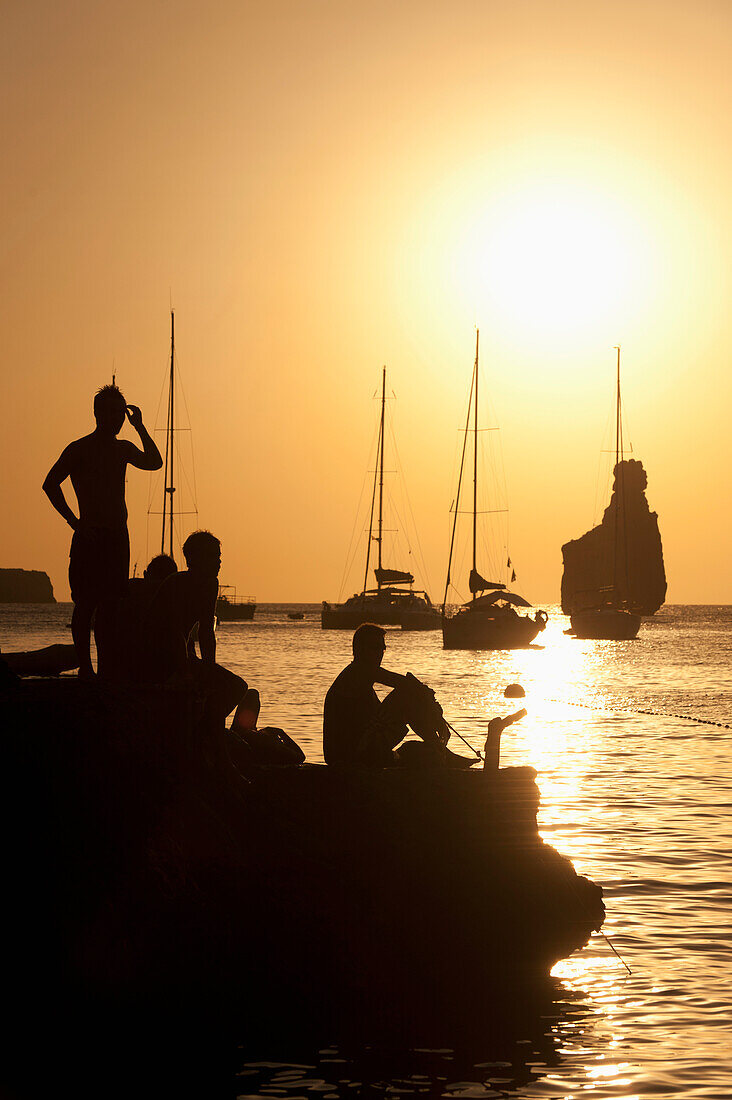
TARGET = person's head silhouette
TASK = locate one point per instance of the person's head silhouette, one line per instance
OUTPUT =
(159, 568)
(109, 409)
(369, 643)
(202, 552)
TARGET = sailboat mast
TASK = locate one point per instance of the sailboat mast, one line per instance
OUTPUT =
(475, 454)
(169, 445)
(457, 498)
(621, 487)
(619, 532)
(617, 413)
(381, 469)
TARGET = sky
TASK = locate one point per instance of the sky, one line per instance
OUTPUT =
(323, 188)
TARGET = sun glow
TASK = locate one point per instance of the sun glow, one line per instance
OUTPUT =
(555, 257)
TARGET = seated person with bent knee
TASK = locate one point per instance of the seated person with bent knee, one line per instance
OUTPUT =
(184, 600)
(361, 730)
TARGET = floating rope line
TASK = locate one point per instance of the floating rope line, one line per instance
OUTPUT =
(653, 713)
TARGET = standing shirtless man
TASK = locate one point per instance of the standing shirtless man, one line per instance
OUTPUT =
(99, 561)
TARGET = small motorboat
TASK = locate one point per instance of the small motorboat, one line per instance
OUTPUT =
(230, 609)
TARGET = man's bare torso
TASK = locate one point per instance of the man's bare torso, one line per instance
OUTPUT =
(97, 467)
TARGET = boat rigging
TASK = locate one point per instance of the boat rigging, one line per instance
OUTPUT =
(489, 620)
(390, 603)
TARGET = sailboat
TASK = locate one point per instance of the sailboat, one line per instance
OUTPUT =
(489, 620)
(614, 574)
(228, 607)
(393, 602)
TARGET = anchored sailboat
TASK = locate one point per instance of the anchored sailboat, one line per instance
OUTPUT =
(614, 573)
(489, 620)
(394, 602)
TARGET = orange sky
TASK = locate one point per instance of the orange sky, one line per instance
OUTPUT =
(324, 187)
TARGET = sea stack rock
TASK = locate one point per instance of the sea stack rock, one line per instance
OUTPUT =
(622, 555)
(25, 586)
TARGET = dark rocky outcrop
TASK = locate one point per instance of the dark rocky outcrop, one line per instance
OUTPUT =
(628, 535)
(147, 870)
(25, 586)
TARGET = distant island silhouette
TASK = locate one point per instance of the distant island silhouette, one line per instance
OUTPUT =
(25, 586)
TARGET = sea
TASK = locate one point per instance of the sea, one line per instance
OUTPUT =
(633, 747)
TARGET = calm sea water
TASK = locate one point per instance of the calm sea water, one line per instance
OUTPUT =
(633, 790)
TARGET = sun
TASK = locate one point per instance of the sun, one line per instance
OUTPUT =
(554, 257)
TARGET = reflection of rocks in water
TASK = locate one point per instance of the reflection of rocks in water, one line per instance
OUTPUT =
(597, 560)
(528, 1039)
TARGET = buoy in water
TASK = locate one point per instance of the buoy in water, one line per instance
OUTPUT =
(514, 691)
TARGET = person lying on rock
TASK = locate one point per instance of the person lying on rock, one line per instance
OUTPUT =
(359, 730)
(184, 600)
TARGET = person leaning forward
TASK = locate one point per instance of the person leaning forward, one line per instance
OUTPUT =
(99, 559)
(361, 730)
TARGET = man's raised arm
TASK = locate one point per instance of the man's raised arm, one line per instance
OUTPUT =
(52, 488)
(149, 457)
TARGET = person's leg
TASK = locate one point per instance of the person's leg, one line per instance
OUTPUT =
(111, 572)
(418, 756)
(247, 712)
(225, 691)
(81, 619)
(105, 636)
(84, 599)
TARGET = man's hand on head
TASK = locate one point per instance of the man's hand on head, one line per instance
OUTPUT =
(134, 415)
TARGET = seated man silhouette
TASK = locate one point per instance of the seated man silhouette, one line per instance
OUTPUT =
(184, 600)
(100, 547)
(361, 730)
